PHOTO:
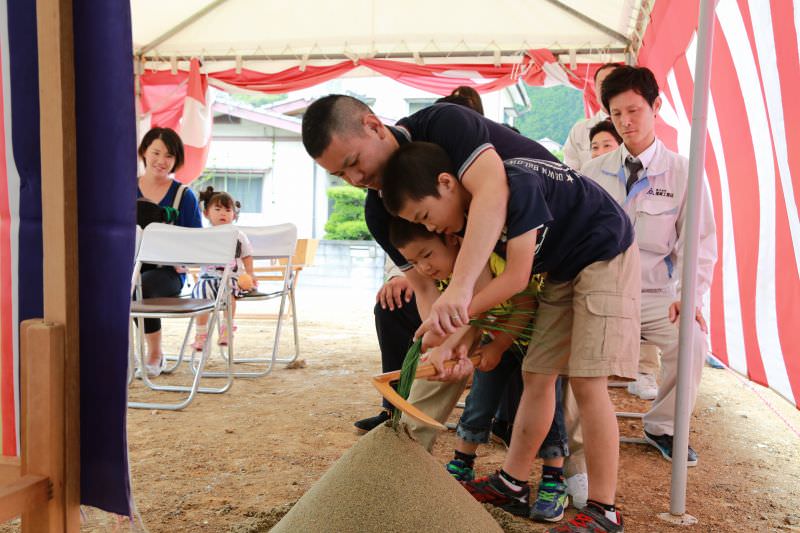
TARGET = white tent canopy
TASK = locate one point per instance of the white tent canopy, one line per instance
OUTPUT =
(227, 32)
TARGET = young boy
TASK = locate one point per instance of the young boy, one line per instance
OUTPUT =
(587, 324)
(650, 182)
(434, 256)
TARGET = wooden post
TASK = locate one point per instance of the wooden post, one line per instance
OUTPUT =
(42, 372)
(60, 229)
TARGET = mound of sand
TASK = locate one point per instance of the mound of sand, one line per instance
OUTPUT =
(387, 482)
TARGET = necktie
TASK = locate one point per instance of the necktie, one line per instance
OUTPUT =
(633, 166)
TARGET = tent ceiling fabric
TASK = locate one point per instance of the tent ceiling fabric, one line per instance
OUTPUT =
(270, 29)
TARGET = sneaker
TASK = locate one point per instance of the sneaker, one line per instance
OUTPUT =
(663, 443)
(501, 432)
(492, 489)
(645, 387)
(153, 371)
(578, 490)
(550, 501)
(366, 425)
(590, 520)
(459, 470)
(199, 341)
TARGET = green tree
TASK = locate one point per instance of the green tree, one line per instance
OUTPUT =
(258, 100)
(346, 221)
(553, 112)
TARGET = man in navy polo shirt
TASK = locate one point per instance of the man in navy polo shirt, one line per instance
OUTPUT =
(346, 138)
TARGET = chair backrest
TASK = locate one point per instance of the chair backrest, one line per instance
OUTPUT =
(139, 232)
(271, 242)
(166, 244)
(305, 252)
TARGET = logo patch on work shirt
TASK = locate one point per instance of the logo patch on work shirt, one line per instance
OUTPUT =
(660, 192)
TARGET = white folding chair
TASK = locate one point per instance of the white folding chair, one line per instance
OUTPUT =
(131, 329)
(273, 243)
(169, 245)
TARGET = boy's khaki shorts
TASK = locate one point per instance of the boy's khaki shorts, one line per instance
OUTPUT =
(589, 326)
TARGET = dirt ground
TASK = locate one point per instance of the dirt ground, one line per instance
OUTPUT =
(226, 460)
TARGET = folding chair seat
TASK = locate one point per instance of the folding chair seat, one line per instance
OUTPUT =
(169, 245)
(276, 243)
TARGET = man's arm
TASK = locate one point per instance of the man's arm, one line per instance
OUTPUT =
(486, 181)
(706, 257)
(706, 249)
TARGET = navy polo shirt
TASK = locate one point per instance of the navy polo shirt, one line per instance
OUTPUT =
(579, 222)
(464, 134)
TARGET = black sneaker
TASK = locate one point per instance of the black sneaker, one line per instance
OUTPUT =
(501, 432)
(366, 425)
(663, 443)
(491, 489)
(590, 520)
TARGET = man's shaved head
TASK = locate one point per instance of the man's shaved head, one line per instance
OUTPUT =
(334, 114)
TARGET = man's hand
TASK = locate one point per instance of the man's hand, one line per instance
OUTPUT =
(491, 354)
(448, 313)
(457, 372)
(675, 313)
(394, 293)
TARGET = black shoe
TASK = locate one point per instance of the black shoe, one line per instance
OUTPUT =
(501, 432)
(663, 443)
(366, 425)
(491, 489)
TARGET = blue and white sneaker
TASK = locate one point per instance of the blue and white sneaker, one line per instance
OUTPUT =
(459, 470)
(550, 501)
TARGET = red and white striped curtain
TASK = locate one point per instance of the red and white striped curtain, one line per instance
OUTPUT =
(752, 169)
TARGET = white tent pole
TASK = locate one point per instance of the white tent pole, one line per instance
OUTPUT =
(705, 37)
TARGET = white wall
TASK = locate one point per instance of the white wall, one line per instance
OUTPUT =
(288, 188)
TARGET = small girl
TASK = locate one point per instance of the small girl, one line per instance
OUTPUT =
(220, 208)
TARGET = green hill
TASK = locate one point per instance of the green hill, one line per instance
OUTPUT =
(554, 110)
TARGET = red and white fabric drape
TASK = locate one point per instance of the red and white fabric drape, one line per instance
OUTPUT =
(752, 169)
(163, 93)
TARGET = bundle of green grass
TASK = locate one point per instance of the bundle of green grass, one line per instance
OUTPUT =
(387, 482)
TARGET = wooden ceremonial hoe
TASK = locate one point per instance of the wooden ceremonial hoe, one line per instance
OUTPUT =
(383, 382)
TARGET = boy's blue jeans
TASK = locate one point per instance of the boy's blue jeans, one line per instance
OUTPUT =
(484, 397)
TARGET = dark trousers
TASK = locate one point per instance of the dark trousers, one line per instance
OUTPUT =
(159, 282)
(395, 334)
(509, 403)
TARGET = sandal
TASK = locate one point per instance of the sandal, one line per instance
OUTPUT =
(223, 335)
(199, 341)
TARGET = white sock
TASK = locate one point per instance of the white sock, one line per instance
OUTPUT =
(510, 484)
